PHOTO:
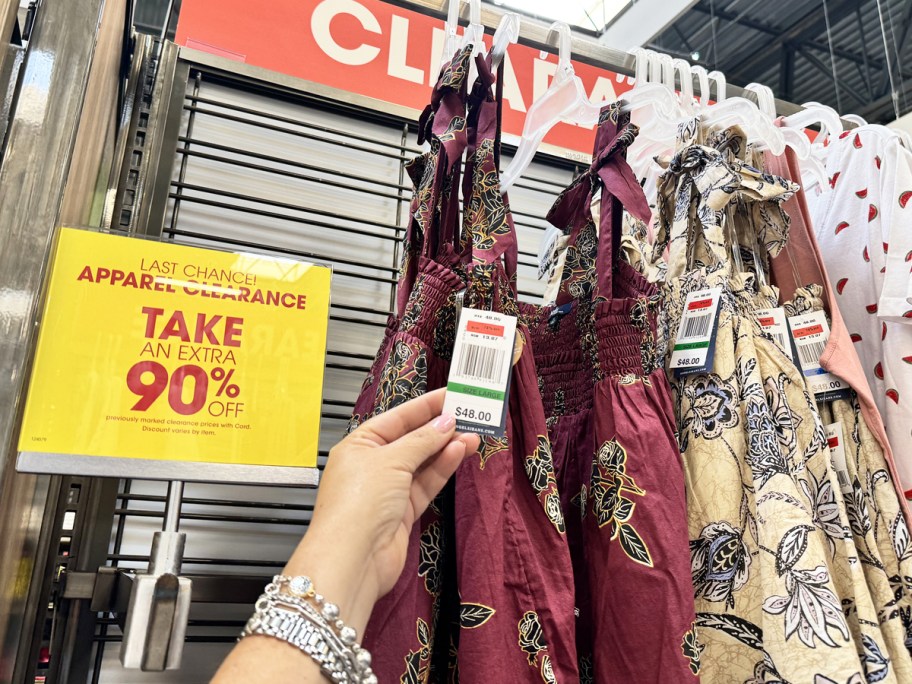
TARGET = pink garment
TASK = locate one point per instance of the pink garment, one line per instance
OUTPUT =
(800, 263)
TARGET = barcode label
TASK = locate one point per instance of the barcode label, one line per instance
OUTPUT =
(694, 345)
(834, 435)
(696, 327)
(843, 478)
(773, 323)
(810, 353)
(479, 381)
(811, 332)
(482, 363)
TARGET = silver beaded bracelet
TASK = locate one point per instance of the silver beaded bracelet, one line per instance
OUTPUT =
(290, 610)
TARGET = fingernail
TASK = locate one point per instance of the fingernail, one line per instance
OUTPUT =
(444, 422)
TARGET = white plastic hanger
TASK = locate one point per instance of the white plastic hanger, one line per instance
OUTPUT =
(801, 144)
(743, 112)
(685, 75)
(904, 137)
(565, 99)
(474, 32)
(718, 78)
(855, 119)
(815, 113)
(795, 139)
(813, 168)
(506, 34)
(703, 80)
(658, 124)
(648, 94)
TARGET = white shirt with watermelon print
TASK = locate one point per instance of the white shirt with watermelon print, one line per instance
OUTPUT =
(863, 224)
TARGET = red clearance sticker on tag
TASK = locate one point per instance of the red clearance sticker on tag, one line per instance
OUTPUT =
(485, 329)
(700, 304)
(773, 323)
(810, 330)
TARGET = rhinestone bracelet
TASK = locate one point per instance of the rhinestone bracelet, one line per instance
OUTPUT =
(290, 610)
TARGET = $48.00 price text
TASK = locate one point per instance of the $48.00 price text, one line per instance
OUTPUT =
(472, 414)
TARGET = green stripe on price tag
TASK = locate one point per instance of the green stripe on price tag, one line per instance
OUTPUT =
(476, 391)
(691, 345)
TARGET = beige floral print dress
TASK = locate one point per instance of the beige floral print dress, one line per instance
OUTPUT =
(768, 593)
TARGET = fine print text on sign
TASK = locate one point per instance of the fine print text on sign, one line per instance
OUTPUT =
(162, 352)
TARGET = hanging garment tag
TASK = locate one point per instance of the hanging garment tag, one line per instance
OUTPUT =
(835, 438)
(479, 382)
(547, 254)
(695, 345)
(558, 313)
(773, 322)
(810, 333)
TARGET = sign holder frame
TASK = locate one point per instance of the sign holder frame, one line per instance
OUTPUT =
(84, 465)
(147, 469)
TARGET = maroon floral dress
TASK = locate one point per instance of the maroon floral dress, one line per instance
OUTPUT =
(487, 590)
(612, 431)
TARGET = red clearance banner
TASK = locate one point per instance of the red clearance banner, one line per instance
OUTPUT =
(374, 49)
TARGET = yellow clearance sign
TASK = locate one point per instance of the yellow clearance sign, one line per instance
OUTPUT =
(151, 350)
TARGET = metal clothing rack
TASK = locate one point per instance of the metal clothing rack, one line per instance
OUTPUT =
(156, 194)
(535, 34)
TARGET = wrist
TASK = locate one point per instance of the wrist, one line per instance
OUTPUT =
(339, 570)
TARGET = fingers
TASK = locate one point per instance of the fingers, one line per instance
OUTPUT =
(390, 426)
(413, 449)
(428, 482)
(472, 441)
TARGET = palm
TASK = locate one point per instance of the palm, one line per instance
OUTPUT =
(406, 503)
(392, 466)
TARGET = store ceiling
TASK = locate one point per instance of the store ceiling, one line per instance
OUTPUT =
(787, 47)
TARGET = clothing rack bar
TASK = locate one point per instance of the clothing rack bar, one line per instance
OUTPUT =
(535, 34)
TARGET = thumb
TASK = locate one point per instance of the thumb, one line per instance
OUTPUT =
(415, 447)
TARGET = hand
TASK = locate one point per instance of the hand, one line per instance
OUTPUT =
(381, 478)
(377, 482)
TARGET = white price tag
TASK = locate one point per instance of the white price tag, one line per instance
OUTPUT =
(478, 386)
(810, 333)
(835, 438)
(694, 345)
(773, 322)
